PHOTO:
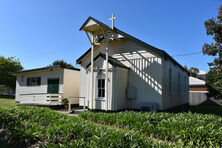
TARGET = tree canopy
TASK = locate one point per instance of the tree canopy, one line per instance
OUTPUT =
(7, 66)
(214, 77)
(192, 70)
(214, 84)
(61, 63)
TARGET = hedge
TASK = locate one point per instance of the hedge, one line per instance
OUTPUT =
(187, 128)
(48, 128)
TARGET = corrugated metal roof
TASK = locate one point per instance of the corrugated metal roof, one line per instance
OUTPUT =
(195, 81)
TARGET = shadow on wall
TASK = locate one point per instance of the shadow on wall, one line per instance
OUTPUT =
(211, 101)
(143, 67)
(196, 98)
(144, 73)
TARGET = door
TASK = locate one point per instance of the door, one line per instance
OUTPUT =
(53, 86)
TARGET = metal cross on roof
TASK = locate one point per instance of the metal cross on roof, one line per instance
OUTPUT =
(112, 19)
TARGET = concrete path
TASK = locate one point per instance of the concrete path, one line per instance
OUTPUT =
(73, 113)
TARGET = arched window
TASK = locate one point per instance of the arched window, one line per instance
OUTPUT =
(170, 80)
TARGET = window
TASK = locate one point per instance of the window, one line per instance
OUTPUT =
(170, 80)
(34, 81)
(101, 88)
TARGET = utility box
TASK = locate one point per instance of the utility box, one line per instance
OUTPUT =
(131, 92)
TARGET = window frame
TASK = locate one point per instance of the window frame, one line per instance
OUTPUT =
(101, 88)
(33, 81)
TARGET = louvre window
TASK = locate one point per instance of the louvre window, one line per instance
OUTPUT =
(34, 81)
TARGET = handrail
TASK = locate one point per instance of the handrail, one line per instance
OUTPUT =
(71, 97)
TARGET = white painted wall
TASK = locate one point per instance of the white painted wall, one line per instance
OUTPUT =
(175, 97)
(71, 84)
(22, 89)
(146, 73)
(120, 83)
(85, 85)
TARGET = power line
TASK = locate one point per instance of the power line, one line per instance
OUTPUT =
(186, 54)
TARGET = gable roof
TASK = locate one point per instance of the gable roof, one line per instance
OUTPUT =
(196, 81)
(44, 68)
(95, 20)
(111, 60)
(149, 48)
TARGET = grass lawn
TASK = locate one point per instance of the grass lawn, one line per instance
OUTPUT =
(6, 101)
(207, 109)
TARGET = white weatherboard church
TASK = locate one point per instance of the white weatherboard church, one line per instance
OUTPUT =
(121, 72)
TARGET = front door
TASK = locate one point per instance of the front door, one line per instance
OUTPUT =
(53, 86)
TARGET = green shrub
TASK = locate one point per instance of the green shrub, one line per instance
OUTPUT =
(187, 128)
(51, 129)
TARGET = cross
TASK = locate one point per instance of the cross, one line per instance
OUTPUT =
(112, 19)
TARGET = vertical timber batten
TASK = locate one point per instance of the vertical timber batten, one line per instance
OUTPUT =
(107, 56)
(92, 73)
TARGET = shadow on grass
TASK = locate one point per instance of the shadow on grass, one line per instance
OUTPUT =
(207, 109)
(209, 106)
(4, 143)
(6, 97)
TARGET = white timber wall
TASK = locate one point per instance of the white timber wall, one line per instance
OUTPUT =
(120, 83)
(71, 84)
(179, 93)
(28, 92)
(100, 64)
(85, 84)
(145, 72)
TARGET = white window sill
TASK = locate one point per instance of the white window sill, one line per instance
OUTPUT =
(100, 99)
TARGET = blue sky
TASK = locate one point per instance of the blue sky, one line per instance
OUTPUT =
(41, 31)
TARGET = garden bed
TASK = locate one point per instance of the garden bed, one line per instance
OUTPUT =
(186, 128)
(47, 128)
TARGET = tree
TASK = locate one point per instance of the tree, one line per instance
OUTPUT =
(214, 84)
(214, 77)
(8, 66)
(185, 66)
(61, 63)
(192, 70)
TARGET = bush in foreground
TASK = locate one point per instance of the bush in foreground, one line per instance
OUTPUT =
(51, 129)
(187, 128)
